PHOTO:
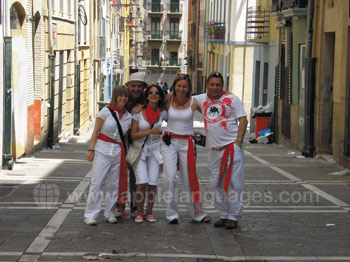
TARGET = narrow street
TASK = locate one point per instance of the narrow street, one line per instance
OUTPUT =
(294, 211)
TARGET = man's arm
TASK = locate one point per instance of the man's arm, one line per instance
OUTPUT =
(242, 127)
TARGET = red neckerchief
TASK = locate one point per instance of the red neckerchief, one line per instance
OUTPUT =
(116, 108)
(180, 103)
(123, 171)
(223, 93)
(151, 115)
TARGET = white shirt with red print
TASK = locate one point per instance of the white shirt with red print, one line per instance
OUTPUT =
(221, 118)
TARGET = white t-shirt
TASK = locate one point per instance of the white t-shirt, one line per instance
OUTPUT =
(220, 118)
(154, 141)
(144, 126)
(110, 129)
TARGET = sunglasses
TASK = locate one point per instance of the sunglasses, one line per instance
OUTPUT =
(215, 74)
(153, 93)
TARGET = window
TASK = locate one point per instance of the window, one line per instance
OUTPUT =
(174, 6)
(155, 6)
(173, 59)
(174, 28)
(155, 28)
(155, 57)
(16, 17)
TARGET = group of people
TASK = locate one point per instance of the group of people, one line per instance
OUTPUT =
(142, 109)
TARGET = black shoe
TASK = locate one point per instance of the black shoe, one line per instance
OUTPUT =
(220, 223)
(174, 221)
(231, 224)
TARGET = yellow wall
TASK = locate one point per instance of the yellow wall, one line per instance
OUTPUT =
(332, 20)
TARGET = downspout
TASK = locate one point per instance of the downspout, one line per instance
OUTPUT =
(7, 162)
(52, 56)
(308, 149)
(228, 44)
(77, 73)
(244, 54)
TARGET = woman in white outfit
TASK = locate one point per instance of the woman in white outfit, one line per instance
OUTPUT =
(178, 151)
(109, 170)
(147, 125)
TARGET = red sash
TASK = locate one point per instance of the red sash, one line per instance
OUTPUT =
(192, 173)
(123, 171)
(229, 150)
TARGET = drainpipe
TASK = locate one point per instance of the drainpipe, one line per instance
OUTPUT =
(77, 74)
(52, 79)
(308, 149)
(228, 44)
(7, 161)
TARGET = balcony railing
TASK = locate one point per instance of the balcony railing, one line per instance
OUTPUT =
(154, 35)
(279, 5)
(155, 60)
(258, 24)
(155, 7)
(215, 31)
(173, 35)
(174, 8)
(173, 61)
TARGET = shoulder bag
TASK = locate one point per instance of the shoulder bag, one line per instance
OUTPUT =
(134, 153)
(119, 127)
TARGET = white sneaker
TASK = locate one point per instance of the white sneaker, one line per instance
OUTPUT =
(112, 220)
(90, 221)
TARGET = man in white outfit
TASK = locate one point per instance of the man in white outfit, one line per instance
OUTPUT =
(225, 123)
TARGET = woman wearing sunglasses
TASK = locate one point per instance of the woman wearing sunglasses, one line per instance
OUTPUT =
(146, 126)
(178, 151)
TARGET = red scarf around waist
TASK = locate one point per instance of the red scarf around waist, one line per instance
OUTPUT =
(229, 151)
(123, 170)
(192, 173)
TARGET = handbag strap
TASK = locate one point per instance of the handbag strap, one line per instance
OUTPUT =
(144, 142)
(119, 127)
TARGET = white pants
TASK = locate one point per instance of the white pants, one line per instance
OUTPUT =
(232, 206)
(171, 154)
(147, 171)
(105, 179)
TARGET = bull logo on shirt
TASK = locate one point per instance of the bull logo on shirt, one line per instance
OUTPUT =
(214, 111)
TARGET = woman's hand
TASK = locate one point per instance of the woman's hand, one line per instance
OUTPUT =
(155, 131)
(90, 156)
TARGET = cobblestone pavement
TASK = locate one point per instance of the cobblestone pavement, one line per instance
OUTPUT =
(294, 211)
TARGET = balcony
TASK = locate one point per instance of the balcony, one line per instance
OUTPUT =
(154, 35)
(258, 24)
(173, 36)
(155, 9)
(288, 8)
(174, 10)
(155, 61)
(215, 32)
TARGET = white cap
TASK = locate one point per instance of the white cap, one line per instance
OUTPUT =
(138, 76)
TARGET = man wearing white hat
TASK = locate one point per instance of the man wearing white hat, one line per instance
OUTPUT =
(136, 84)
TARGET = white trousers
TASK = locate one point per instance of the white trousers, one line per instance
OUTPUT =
(177, 150)
(232, 206)
(147, 171)
(105, 179)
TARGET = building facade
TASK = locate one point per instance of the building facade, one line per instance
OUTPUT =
(226, 50)
(261, 30)
(331, 94)
(164, 48)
